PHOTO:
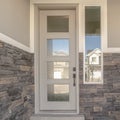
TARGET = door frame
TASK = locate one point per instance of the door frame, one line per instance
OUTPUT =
(71, 59)
(36, 62)
(35, 6)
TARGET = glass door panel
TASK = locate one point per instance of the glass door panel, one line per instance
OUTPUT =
(58, 92)
(57, 23)
(58, 70)
(58, 47)
(93, 68)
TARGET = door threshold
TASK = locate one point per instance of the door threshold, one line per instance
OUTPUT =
(57, 117)
(58, 112)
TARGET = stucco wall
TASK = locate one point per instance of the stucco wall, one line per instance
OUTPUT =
(113, 23)
(15, 19)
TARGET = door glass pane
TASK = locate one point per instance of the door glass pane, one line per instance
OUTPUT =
(58, 47)
(92, 44)
(57, 23)
(58, 70)
(58, 92)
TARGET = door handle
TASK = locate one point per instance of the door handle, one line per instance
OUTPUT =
(74, 79)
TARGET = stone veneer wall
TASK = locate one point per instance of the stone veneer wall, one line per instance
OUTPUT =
(102, 102)
(16, 83)
(97, 102)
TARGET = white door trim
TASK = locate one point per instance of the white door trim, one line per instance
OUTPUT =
(71, 59)
(34, 8)
(37, 110)
(34, 33)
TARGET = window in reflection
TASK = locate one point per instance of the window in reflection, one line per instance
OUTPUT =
(93, 55)
(58, 70)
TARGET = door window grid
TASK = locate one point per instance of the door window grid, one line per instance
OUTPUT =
(57, 48)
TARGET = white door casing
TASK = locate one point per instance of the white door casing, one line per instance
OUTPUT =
(58, 85)
(35, 7)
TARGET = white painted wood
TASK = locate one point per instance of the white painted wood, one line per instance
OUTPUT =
(13, 42)
(32, 25)
(79, 35)
(80, 3)
(78, 29)
(107, 49)
(54, 1)
(58, 117)
(45, 105)
(65, 1)
(36, 49)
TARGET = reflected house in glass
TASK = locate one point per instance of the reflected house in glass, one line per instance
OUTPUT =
(93, 65)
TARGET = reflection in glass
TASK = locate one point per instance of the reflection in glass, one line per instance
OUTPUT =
(58, 92)
(58, 47)
(92, 44)
(58, 70)
(92, 20)
(57, 23)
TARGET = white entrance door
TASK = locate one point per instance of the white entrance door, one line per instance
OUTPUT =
(57, 60)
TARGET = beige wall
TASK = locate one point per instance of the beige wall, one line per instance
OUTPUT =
(15, 19)
(113, 23)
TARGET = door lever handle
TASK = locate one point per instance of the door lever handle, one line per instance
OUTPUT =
(74, 79)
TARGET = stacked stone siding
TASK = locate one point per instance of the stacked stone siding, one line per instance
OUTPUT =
(102, 102)
(16, 83)
(97, 102)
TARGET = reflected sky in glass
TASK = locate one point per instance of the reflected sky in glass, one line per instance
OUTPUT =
(58, 47)
(92, 42)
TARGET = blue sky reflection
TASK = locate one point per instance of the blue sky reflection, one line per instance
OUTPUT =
(92, 42)
(59, 47)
